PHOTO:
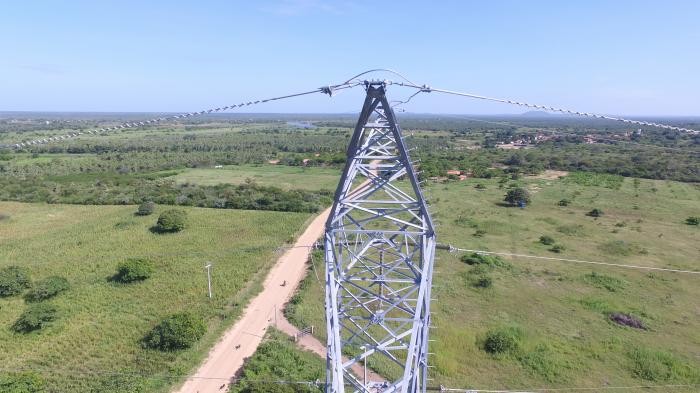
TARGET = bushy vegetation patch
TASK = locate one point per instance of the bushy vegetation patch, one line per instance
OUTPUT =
(178, 331)
(21, 382)
(4, 217)
(483, 282)
(134, 269)
(595, 213)
(658, 366)
(547, 240)
(278, 359)
(571, 230)
(595, 179)
(628, 320)
(121, 383)
(492, 261)
(544, 362)
(692, 221)
(595, 304)
(36, 316)
(557, 248)
(13, 280)
(612, 284)
(146, 208)
(170, 221)
(620, 248)
(503, 340)
(47, 288)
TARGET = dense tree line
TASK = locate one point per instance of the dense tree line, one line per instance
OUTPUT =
(132, 190)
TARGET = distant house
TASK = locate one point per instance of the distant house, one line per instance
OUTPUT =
(218, 166)
(305, 161)
(454, 172)
(274, 162)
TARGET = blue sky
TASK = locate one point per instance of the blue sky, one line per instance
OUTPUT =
(617, 57)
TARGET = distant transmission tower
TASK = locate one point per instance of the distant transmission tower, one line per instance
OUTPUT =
(379, 246)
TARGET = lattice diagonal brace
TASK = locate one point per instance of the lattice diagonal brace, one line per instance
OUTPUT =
(379, 247)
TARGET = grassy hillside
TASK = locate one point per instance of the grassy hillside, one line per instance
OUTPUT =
(95, 340)
(558, 313)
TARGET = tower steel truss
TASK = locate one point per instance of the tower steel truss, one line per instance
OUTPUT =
(379, 252)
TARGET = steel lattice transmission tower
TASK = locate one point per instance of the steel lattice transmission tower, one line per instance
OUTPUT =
(379, 247)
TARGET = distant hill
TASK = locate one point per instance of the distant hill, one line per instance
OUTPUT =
(536, 114)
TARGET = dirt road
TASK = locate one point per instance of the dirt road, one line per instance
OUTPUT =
(243, 338)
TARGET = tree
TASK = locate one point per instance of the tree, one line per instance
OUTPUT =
(47, 288)
(35, 317)
(178, 331)
(517, 196)
(172, 220)
(134, 269)
(146, 209)
(13, 280)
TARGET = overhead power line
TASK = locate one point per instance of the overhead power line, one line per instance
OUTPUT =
(568, 389)
(428, 89)
(509, 254)
(330, 89)
(352, 82)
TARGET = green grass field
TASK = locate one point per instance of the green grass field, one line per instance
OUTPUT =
(285, 177)
(561, 309)
(100, 324)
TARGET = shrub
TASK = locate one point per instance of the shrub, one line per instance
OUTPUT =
(483, 282)
(502, 340)
(479, 233)
(178, 331)
(146, 209)
(134, 269)
(595, 213)
(13, 280)
(23, 382)
(171, 221)
(35, 317)
(487, 260)
(480, 186)
(517, 196)
(546, 240)
(543, 362)
(557, 248)
(564, 202)
(610, 283)
(47, 288)
(692, 220)
(4, 217)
